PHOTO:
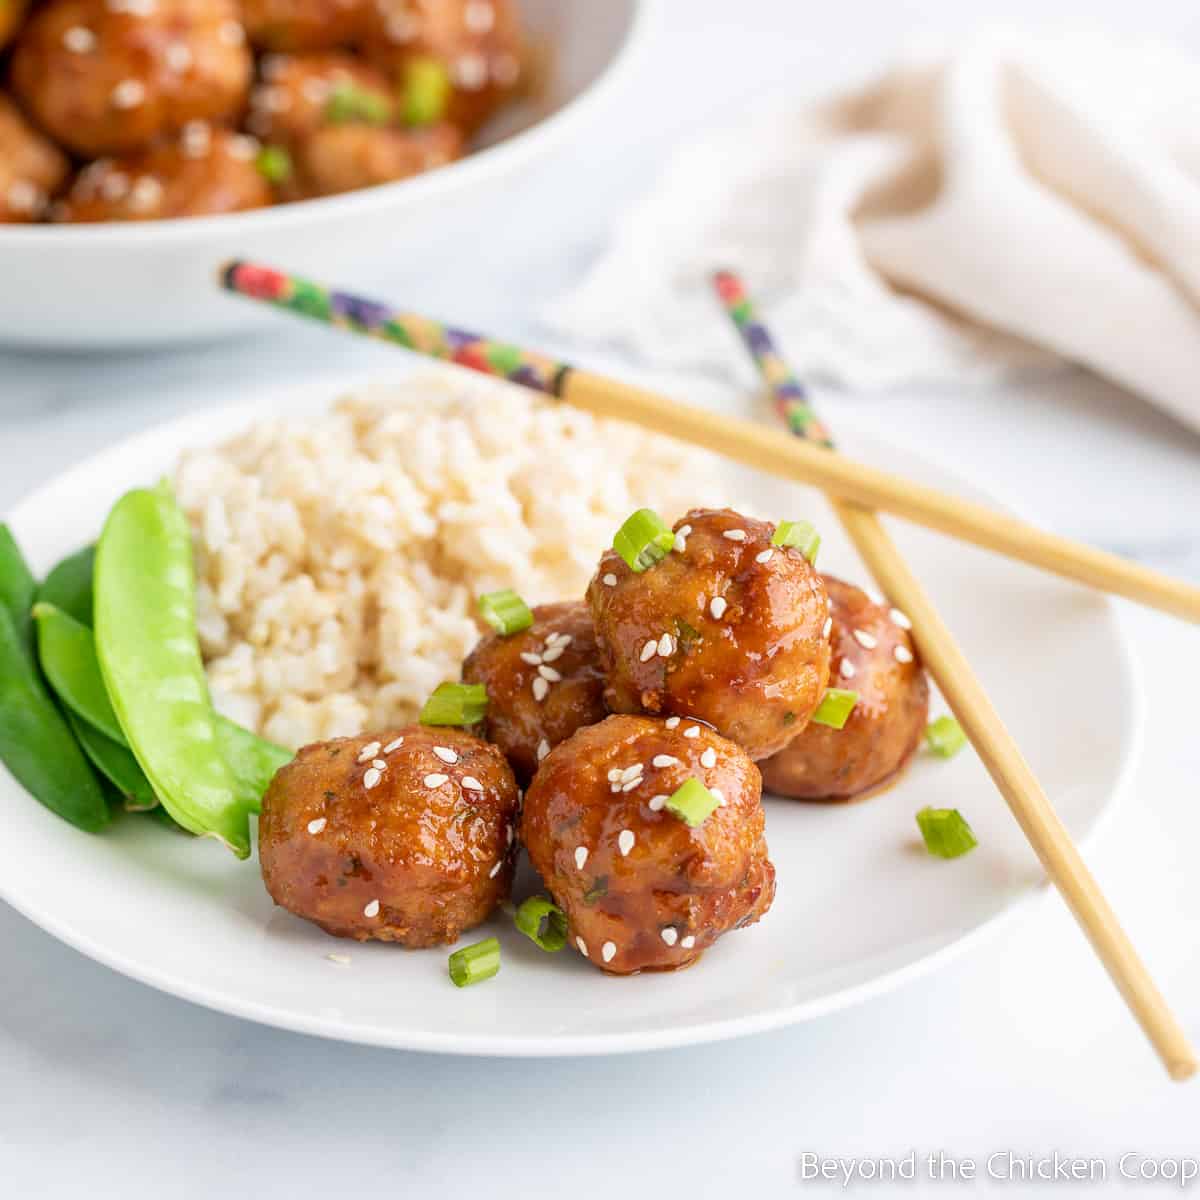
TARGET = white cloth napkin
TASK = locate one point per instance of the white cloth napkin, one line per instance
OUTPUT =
(967, 212)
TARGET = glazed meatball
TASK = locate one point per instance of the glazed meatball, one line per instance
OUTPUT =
(542, 683)
(874, 656)
(405, 836)
(31, 168)
(107, 77)
(205, 170)
(11, 13)
(304, 24)
(727, 627)
(478, 42)
(642, 889)
(342, 158)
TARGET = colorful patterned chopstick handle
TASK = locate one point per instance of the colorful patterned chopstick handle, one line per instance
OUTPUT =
(791, 399)
(410, 330)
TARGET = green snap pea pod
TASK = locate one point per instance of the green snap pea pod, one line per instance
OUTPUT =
(69, 585)
(149, 656)
(17, 588)
(36, 744)
(116, 764)
(67, 652)
(252, 759)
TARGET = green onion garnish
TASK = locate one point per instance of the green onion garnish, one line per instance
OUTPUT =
(348, 103)
(426, 91)
(946, 832)
(835, 708)
(474, 964)
(505, 611)
(801, 534)
(455, 704)
(692, 803)
(543, 923)
(643, 540)
(945, 737)
(274, 164)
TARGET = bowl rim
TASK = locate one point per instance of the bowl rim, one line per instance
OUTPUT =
(543, 135)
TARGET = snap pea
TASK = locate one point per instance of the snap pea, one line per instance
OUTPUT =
(69, 585)
(36, 743)
(150, 660)
(116, 764)
(67, 652)
(252, 760)
(17, 588)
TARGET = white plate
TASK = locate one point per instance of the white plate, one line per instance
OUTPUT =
(860, 905)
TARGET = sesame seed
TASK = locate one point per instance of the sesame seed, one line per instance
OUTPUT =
(372, 777)
(630, 784)
(614, 775)
(114, 185)
(470, 72)
(402, 28)
(735, 535)
(550, 674)
(368, 751)
(670, 935)
(471, 784)
(435, 780)
(342, 960)
(231, 33)
(242, 147)
(496, 869)
(649, 650)
(135, 8)
(528, 656)
(446, 754)
(664, 760)
(688, 942)
(656, 802)
(902, 654)
(900, 619)
(666, 646)
(582, 946)
(129, 93)
(631, 772)
(479, 16)
(379, 764)
(708, 758)
(685, 530)
(625, 841)
(543, 748)
(692, 731)
(608, 951)
(510, 834)
(827, 628)
(178, 57)
(560, 639)
(23, 196)
(717, 607)
(680, 542)
(372, 909)
(395, 744)
(609, 580)
(553, 652)
(865, 640)
(846, 670)
(540, 688)
(79, 40)
(673, 722)
(317, 826)
(581, 857)
(718, 796)
(196, 139)
(764, 555)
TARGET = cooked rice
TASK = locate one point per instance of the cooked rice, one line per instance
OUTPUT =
(338, 557)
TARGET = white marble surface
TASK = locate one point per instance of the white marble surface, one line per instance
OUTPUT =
(108, 1088)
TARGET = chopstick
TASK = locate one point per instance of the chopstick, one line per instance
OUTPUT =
(741, 440)
(970, 704)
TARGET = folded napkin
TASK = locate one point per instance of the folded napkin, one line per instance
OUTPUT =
(1013, 201)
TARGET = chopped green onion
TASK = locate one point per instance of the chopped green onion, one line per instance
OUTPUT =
(946, 832)
(835, 708)
(474, 964)
(348, 103)
(543, 923)
(692, 803)
(800, 534)
(455, 704)
(505, 611)
(643, 540)
(945, 737)
(274, 164)
(426, 91)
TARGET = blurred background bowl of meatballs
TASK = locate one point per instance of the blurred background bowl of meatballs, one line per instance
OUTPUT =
(144, 142)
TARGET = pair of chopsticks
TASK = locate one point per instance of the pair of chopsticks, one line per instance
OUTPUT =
(855, 491)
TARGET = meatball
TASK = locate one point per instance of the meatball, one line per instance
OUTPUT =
(727, 627)
(404, 836)
(206, 170)
(31, 168)
(543, 683)
(107, 77)
(642, 889)
(11, 14)
(874, 656)
(304, 24)
(478, 41)
(342, 158)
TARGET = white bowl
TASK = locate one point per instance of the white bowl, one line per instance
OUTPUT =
(122, 285)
